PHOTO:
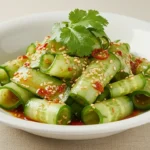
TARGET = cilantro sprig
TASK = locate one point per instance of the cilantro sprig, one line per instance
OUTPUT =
(77, 34)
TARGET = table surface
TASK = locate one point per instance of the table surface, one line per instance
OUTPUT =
(133, 139)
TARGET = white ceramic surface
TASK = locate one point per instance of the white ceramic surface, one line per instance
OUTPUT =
(16, 35)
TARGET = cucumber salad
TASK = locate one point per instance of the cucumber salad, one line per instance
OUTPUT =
(76, 76)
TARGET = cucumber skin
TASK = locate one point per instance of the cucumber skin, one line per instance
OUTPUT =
(140, 106)
(14, 65)
(127, 86)
(31, 49)
(124, 59)
(32, 81)
(145, 91)
(89, 95)
(5, 78)
(11, 67)
(22, 94)
(62, 63)
(42, 111)
(44, 64)
(111, 110)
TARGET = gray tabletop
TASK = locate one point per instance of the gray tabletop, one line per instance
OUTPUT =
(133, 139)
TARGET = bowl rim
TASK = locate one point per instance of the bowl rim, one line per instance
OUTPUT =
(76, 130)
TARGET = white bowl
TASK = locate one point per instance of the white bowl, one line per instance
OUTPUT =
(16, 35)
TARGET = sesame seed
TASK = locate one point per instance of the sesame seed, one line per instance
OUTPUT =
(62, 48)
(60, 121)
(111, 61)
(111, 76)
(69, 122)
(92, 105)
(93, 85)
(131, 78)
(83, 69)
(53, 50)
(110, 86)
(114, 68)
(65, 117)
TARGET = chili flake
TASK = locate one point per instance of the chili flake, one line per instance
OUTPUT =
(98, 86)
(100, 54)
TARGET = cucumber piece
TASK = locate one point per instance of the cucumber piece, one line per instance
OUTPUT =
(76, 110)
(57, 47)
(8, 69)
(35, 58)
(127, 86)
(4, 77)
(70, 67)
(147, 71)
(104, 95)
(107, 111)
(96, 76)
(11, 96)
(45, 62)
(141, 98)
(143, 66)
(102, 38)
(31, 49)
(140, 65)
(41, 84)
(122, 52)
(41, 49)
(47, 112)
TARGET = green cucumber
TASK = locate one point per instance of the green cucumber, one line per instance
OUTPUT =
(35, 58)
(65, 66)
(31, 49)
(98, 72)
(4, 77)
(141, 98)
(105, 95)
(47, 112)
(127, 86)
(41, 84)
(107, 111)
(57, 47)
(143, 66)
(122, 52)
(45, 62)
(11, 96)
(8, 69)
(102, 38)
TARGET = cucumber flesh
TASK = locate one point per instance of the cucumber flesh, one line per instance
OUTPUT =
(11, 96)
(8, 100)
(31, 49)
(41, 84)
(107, 111)
(45, 62)
(47, 112)
(98, 71)
(4, 77)
(127, 86)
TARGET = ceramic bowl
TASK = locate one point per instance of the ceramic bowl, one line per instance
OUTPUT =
(17, 34)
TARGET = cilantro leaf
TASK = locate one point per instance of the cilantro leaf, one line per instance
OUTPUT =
(56, 31)
(82, 33)
(90, 19)
(78, 40)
